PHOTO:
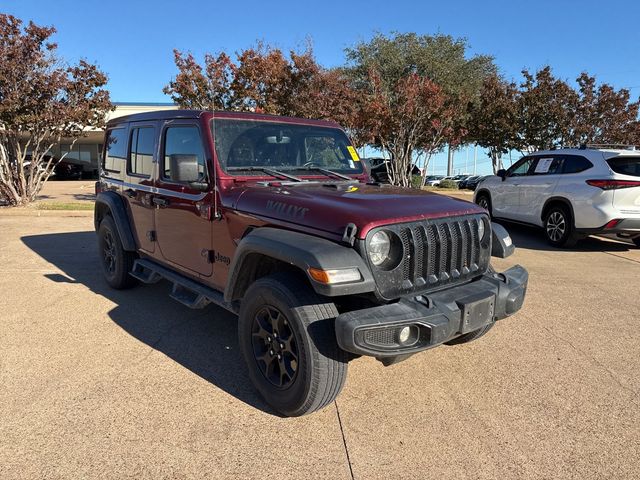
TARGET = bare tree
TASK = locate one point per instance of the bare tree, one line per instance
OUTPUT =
(41, 102)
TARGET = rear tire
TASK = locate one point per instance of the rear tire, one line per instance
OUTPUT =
(558, 227)
(471, 336)
(115, 260)
(287, 338)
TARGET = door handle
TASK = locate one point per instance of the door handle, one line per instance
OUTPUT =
(130, 192)
(160, 202)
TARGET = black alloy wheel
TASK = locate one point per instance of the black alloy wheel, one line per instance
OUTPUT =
(275, 347)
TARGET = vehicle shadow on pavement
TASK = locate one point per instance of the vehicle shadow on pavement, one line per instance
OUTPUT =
(533, 238)
(203, 341)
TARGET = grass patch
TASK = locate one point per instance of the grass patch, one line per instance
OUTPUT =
(64, 205)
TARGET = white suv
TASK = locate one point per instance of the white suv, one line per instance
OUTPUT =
(571, 193)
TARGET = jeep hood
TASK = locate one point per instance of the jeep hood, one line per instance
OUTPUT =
(332, 206)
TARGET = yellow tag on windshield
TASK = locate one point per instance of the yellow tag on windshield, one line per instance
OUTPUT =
(354, 154)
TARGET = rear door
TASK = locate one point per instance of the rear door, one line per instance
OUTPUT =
(626, 167)
(138, 187)
(182, 213)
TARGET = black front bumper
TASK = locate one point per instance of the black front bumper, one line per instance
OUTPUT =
(432, 319)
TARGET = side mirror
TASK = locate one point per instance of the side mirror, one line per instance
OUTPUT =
(502, 173)
(501, 244)
(185, 168)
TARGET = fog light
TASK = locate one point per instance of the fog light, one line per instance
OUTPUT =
(404, 334)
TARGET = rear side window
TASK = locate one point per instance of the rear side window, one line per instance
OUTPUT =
(625, 165)
(575, 164)
(182, 145)
(141, 153)
(116, 149)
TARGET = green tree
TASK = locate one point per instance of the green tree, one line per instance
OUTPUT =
(41, 102)
(422, 85)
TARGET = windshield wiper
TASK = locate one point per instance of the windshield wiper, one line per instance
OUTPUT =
(326, 171)
(268, 171)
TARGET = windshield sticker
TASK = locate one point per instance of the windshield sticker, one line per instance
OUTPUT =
(354, 154)
(543, 165)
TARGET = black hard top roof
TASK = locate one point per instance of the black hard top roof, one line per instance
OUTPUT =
(191, 114)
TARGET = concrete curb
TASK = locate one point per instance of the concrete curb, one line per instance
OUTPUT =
(33, 212)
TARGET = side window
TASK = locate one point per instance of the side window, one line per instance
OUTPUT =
(521, 168)
(548, 165)
(183, 159)
(575, 164)
(116, 149)
(141, 151)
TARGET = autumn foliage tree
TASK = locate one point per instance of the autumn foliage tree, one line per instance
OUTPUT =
(41, 102)
(545, 112)
(494, 119)
(262, 79)
(414, 117)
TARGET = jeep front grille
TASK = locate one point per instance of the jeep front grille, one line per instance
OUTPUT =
(435, 253)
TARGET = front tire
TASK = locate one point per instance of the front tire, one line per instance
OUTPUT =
(484, 201)
(287, 338)
(558, 227)
(636, 241)
(115, 260)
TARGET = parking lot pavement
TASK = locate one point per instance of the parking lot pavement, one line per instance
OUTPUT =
(96, 383)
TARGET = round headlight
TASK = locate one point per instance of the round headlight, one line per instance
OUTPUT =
(480, 229)
(379, 247)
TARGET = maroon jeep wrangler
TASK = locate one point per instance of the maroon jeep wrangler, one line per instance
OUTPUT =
(275, 219)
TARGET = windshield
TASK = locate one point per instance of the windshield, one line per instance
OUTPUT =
(244, 144)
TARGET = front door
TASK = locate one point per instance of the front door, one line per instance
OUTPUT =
(183, 227)
(505, 197)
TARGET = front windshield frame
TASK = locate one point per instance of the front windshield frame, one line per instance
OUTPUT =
(290, 142)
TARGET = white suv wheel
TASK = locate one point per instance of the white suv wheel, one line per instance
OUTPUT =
(556, 226)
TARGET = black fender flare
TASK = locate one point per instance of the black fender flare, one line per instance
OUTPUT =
(113, 203)
(301, 251)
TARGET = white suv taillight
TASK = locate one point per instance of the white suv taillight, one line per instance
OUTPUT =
(613, 184)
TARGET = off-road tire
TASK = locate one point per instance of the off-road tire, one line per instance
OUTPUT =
(471, 336)
(115, 260)
(484, 200)
(321, 368)
(558, 227)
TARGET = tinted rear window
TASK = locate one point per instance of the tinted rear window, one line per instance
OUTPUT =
(575, 164)
(625, 165)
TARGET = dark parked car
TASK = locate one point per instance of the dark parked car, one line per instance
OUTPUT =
(472, 183)
(272, 219)
(68, 170)
(377, 168)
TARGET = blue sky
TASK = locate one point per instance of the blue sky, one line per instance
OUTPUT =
(133, 41)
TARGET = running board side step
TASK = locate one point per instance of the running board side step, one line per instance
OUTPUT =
(186, 291)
